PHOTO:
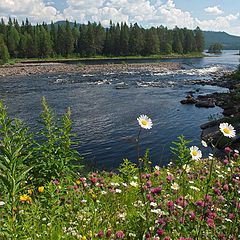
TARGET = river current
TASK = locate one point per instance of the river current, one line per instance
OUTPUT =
(105, 117)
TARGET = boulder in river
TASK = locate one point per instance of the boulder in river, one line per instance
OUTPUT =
(205, 104)
(189, 100)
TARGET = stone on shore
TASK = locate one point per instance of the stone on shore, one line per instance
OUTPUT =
(26, 69)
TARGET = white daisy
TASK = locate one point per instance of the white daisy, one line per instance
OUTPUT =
(157, 167)
(195, 153)
(186, 168)
(195, 188)
(227, 130)
(118, 190)
(153, 204)
(134, 184)
(210, 156)
(204, 143)
(145, 122)
(175, 186)
(2, 203)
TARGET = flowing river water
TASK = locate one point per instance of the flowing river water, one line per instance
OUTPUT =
(104, 116)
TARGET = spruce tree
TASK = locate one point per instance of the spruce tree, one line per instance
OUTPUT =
(4, 55)
(136, 40)
(124, 40)
(199, 40)
(45, 44)
(177, 44)
(13, 39)
(61, 33)
(53, 33)
(82, 41)
(69, 41)
(151, 42)
(76, 35)
(99, 39)
(90, 48)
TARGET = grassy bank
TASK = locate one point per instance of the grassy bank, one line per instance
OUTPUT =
(44, 195)
(120, 58)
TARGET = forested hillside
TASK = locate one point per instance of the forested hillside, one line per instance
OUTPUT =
(72, 39)
(226, 40)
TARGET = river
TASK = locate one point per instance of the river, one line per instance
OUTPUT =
(104, 117)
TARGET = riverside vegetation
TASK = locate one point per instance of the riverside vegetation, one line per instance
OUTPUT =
(44, 194)
(68, 40)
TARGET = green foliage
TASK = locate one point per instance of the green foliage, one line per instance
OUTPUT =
(236, 75)
(123, 63)
(215, 48)
(66, 39)
(15, 153)
(181, 151)
(4, 55)
(81, 65)
(127, 169)
(229, 42)
(199, 40)
(54, 152)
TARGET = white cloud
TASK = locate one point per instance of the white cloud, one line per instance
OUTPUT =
(223, 23)
(171, 16)
(213, 10)
(34, 10)
(146, 13)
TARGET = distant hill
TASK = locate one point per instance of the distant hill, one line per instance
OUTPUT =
(229, 42)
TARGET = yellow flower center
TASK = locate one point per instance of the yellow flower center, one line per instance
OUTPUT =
(144, 122)
(226, 130)
(175, 186)
(194, 153)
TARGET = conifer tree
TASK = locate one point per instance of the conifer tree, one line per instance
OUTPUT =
(4, 55)
(99, 39)
(124, 40)
(3, 28)
(199, 40)
(61, 33)
(136, 40)
(13, 39)
(45, 44)
(177, 44)
(76, 35)
(90, 48)
(53, 33)
(151, 42)
(82, 41)
(69, 41)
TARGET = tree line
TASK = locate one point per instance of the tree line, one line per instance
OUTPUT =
(92, 39)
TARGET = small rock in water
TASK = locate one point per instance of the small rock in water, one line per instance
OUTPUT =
(189, 100)
(205, 104)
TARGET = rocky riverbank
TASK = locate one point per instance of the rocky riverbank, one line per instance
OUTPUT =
(42, 68)
(229, 102)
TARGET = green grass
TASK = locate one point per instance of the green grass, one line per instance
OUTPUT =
(43, 195)
(74, 57)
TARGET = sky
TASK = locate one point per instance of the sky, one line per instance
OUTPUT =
(212, 15)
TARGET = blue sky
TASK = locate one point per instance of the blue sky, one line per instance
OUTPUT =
(214, 15)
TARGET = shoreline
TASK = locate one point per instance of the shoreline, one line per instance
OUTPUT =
(27, 69)
(228, 102)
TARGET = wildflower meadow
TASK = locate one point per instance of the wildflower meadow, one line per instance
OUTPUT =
(45, 193)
